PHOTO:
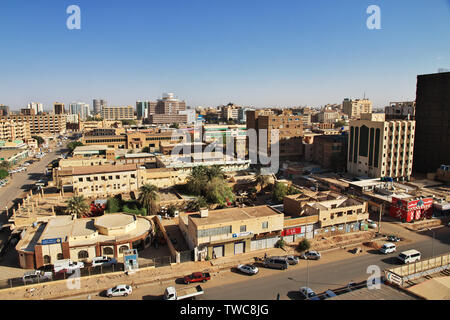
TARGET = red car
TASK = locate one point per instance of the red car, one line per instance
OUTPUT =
(197, 277)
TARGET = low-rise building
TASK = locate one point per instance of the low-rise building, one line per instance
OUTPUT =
(66, 237)
(231, 231)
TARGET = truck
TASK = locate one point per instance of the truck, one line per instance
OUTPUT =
(187, 293)
(197, 277)
(36, 276)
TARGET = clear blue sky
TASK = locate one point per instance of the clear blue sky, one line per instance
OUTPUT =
(211, 52)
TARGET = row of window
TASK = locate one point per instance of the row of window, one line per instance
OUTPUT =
(103, 178)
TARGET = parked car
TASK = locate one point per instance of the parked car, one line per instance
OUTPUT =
(276, 263)
(308, 294)
(248, 269)
(393, 239)
(388, 248)
(197, 277)
(311, 255)
(36, 276)
(67, 266)
(292, 260)
(103, 261)
(121, 290)
(371, 224)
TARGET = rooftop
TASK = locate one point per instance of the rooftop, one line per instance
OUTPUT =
(102, 169)
(233, 214)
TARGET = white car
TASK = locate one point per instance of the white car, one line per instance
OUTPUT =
(311, 255)
(371, 224)
(292, 259)
(388, 248)
(248, 269)
(119, 291)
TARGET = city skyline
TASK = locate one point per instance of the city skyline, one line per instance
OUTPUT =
(266, 55)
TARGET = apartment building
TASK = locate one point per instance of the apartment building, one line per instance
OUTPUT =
(39, 124)
(167, 118)
(269, 122)
(11, 130)
(81, 109)
(118, 113)
(4, 110)
(328, 116)
(230, 112)
(227, 232)
(98, 105)
(354, 108)
(379, 148)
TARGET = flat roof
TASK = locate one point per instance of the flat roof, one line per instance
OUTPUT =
(233, 214)
(91, 148)
(384, 293)
(103, 169)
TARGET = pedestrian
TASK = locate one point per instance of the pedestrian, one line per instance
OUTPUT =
(278, 296)
(265, 255)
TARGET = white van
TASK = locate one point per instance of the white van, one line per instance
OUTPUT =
(388, 248)
(409, 256)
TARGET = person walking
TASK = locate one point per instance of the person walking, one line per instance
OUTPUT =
(265, 255)
(278, 296)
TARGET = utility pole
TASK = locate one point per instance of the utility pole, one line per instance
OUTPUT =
(432, 244)
(379, 220)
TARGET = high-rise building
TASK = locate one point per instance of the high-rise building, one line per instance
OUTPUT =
(354, 108)
(98, 105)
(58, 108)
(118, 113)
(37, 107)
(379, 148)
(166, 110)
(4, 110)
(433, 122)
(144, 109)
(80, 108)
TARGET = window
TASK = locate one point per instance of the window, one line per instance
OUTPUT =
(122, 249)
(83, 254)
(265, 225)
(108, 251)
(80, 179)
(117, 177)
(95, 178)
(213, 231)
(243, 229)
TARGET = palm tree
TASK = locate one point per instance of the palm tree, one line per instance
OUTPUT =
(77, 206)
(149, 198)
(213, 172)
(197, 180)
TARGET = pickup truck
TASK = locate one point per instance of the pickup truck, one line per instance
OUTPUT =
(197, 277)
(188, 293)
(36, 277)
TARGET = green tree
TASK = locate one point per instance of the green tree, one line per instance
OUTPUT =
(78, 206)
(72, 145)
(280, 190)
(340, 124)
(146, 149)
(113, 205)
(175, 125)
(39, 140)
(3, 173)
(149, 198)
(262, 181)
(197, 180)
(197, 204)
(128, 122)
(303, 245)
(217, 191)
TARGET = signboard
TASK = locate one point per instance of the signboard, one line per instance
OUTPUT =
(393, 278)
(51, 241)
(309, 228)
(242, 234)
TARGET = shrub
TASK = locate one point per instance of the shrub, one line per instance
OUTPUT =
(113, 205)
(303, 245)
(3, 173)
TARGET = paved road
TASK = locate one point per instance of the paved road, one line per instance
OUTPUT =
(328, 273)
(15, 189)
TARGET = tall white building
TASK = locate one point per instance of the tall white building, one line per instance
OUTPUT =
(379, 148)
(80, 108)
(37, 107)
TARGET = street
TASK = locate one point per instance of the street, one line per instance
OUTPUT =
(328, 273)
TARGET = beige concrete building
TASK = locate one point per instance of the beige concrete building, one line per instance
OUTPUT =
(66, 237)
(118, 113)
(43, 123)
(354, 108)
(379, 148)
(227, 232)
(11, 130)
